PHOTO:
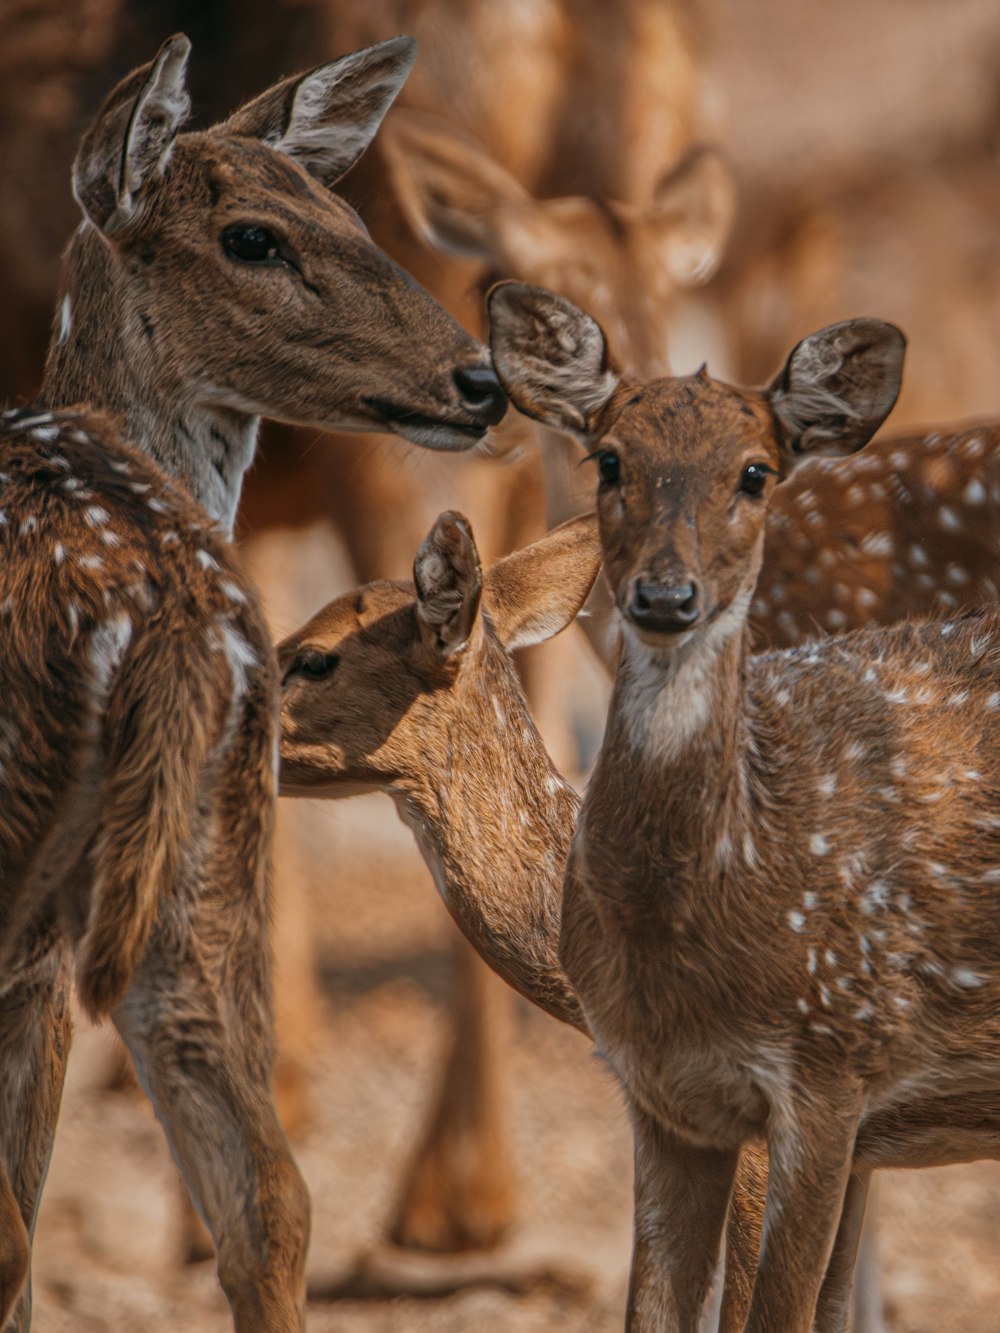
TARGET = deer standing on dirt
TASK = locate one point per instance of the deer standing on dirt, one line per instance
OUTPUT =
(778, 903)
(412, 689)
(213, 279)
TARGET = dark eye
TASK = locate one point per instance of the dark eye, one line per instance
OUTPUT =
(250, 245)
(315, 665)
(608, 467)
(754, 479)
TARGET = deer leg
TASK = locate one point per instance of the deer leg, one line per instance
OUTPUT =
(743, 1231)
(198, 1031)
(867, 1307)
(834, 1307)
(681, 1194)
(810, 1152)
(35, 1031)
(460, 1191)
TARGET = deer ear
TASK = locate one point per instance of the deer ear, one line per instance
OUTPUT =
(129, 142)
(326, 119)
(535, 593)
(551, 357)
(692, 215)
(449, 583)
(448, 186)
(838, 386)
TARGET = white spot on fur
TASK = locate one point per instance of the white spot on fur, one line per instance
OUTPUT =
(239, 654)
(818, 844)
(948, 519)
(65, 320)
(797, 922)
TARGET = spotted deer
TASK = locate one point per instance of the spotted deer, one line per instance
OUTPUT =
(780, 899)
(213, 279)
(412, 689)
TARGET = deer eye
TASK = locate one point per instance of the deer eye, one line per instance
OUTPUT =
(754, 479)
(608, 467)
(315, 665)
(250, 245)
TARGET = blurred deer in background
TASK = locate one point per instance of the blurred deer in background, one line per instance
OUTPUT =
(148, 853)
(824, 979)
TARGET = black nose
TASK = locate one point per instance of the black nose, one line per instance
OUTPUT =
(667, 610)
(482, 394)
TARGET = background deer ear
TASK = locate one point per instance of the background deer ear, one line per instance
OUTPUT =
(129, 142)
(449, 583)
(551, 357)
(838, 386)
(692, 216)
(450, 189)
(536, 592)
(326, 119)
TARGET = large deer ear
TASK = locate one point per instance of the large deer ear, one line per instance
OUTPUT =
(129, 142)
(692, 216)
(536, 592)
(838, 386)
(551, 357)
(326, 119)
(449, 584)
(450, 189)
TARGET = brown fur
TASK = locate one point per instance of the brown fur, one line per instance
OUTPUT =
(778, 903)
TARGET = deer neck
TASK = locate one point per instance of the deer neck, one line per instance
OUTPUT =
(494, 821)
(670, 801)
(104, 353)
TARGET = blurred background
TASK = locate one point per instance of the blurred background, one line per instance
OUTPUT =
(712, 180)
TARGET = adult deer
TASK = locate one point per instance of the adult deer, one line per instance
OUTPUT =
(212, 280)
(778, 903)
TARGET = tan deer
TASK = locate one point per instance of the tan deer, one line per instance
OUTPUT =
(212, 280)
(778, 903)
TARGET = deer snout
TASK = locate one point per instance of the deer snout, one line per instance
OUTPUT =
(663, 610)
(482, 393)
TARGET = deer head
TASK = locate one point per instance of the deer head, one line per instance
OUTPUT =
(623, 264)
(686, 466)
(229, 277)
(378, 686)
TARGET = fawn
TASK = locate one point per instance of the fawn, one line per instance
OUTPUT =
(213, 279)
(778, 903)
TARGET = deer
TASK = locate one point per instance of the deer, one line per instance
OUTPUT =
(767, 909)
(412, 689)
(213, 279)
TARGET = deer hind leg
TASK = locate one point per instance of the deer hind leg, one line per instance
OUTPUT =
(681, 1196)
(197, 1022)
(203, 1056)
(35, 1032)
(460, 1191)
(833, 1312)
